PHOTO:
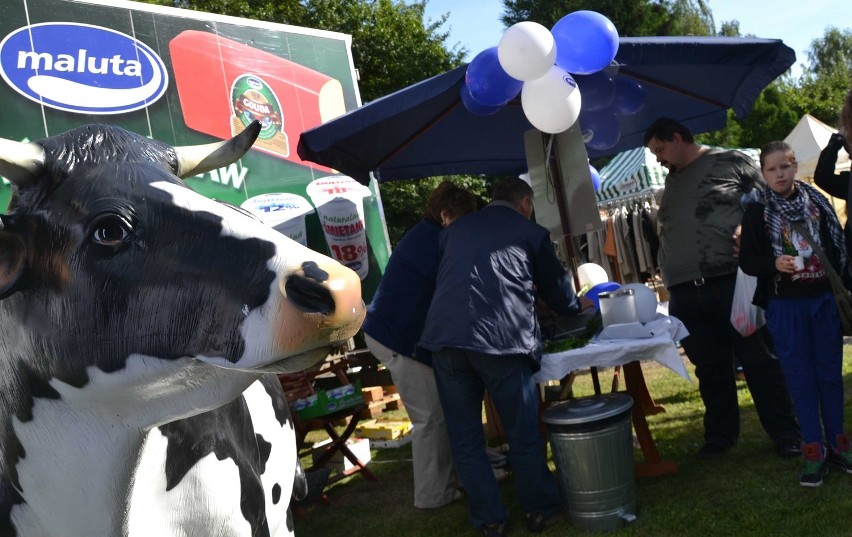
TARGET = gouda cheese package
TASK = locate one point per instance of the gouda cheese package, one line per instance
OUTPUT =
(224, 85)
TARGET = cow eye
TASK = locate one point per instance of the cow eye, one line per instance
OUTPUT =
(112, 231)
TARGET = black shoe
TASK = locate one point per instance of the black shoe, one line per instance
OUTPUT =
(712, 449)
(788, 448)
(317, 480)
(494, 530)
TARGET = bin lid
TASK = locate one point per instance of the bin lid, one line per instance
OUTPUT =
(587, 409)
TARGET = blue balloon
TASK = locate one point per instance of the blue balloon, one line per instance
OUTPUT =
(629, 96)
(596, 177)
(474, 106)
(592, 294)
(601, 130)
(488, 82)
(586, 42)
(597, 90)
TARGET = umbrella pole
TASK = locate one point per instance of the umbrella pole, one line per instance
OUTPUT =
(554, 177)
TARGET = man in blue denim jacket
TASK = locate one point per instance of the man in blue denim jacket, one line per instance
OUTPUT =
(483, 333)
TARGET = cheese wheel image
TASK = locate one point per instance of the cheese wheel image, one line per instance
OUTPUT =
(223, 85)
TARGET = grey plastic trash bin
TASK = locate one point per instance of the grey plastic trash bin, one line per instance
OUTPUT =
(592, 446)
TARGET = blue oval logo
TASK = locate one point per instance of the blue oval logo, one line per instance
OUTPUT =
(82, 68)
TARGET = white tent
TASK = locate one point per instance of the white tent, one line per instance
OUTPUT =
(808, 138)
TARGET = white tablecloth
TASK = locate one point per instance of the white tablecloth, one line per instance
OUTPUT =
(619, 344)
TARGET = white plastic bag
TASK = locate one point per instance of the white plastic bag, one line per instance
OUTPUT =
(745, 316)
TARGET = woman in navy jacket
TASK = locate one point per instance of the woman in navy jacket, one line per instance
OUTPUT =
(394, 322)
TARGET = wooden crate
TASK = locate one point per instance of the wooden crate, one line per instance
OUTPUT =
(387, 402)
(373, 393)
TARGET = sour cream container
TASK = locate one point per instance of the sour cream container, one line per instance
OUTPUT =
(340, 206)
(284, 212)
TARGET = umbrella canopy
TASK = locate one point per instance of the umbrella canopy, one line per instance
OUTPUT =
(424, 130)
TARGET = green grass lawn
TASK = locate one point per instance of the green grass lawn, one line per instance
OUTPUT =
(749, 491)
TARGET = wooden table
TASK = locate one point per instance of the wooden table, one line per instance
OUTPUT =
(628, 353)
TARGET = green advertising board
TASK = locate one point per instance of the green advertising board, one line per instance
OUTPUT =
(186, 78)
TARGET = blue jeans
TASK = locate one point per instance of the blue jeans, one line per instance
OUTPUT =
(462, 377)
(806, 333)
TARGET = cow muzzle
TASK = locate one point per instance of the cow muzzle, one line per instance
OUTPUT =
(322, 305)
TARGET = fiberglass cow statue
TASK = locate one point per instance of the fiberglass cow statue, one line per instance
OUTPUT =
(140, 323)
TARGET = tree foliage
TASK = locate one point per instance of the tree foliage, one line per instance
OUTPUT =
(826, 78)
(830, 54)
(730, 28)
(771, 118)
(630, 17)
(688, 17)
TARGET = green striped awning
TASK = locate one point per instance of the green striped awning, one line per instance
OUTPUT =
(752, 153)
(630, 172)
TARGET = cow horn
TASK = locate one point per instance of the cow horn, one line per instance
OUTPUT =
(196, 159)
(20, 162)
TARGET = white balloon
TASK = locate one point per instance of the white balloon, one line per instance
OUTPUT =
(552, 102)
(646, 301)
(526, 51)
(591, 274)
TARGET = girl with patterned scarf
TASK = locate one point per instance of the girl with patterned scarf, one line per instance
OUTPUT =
(801, 314)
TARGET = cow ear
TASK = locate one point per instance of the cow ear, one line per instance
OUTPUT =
(196, 159)
(12, 261)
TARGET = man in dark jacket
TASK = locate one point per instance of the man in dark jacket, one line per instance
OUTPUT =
(483, 333)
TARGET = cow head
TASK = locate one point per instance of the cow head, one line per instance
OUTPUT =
(118, 281)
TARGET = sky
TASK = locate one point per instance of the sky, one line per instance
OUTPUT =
(475, 24)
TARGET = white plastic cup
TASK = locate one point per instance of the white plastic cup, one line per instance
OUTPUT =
(799, 263)
(342, 221)
(618, 307)
(284, 212)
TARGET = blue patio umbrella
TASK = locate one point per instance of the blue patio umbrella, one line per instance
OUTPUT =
(424, 130)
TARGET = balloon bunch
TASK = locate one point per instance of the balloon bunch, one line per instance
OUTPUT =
(551, 69)
(540, 64)
(607, 98)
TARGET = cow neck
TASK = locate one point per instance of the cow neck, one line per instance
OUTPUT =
(81, 449)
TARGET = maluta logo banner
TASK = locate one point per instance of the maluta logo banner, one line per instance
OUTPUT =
(82, 68)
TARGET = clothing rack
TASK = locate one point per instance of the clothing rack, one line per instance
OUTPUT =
(649, 194)
(626, 256)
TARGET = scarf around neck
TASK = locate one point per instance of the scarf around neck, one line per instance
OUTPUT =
(806, 206)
